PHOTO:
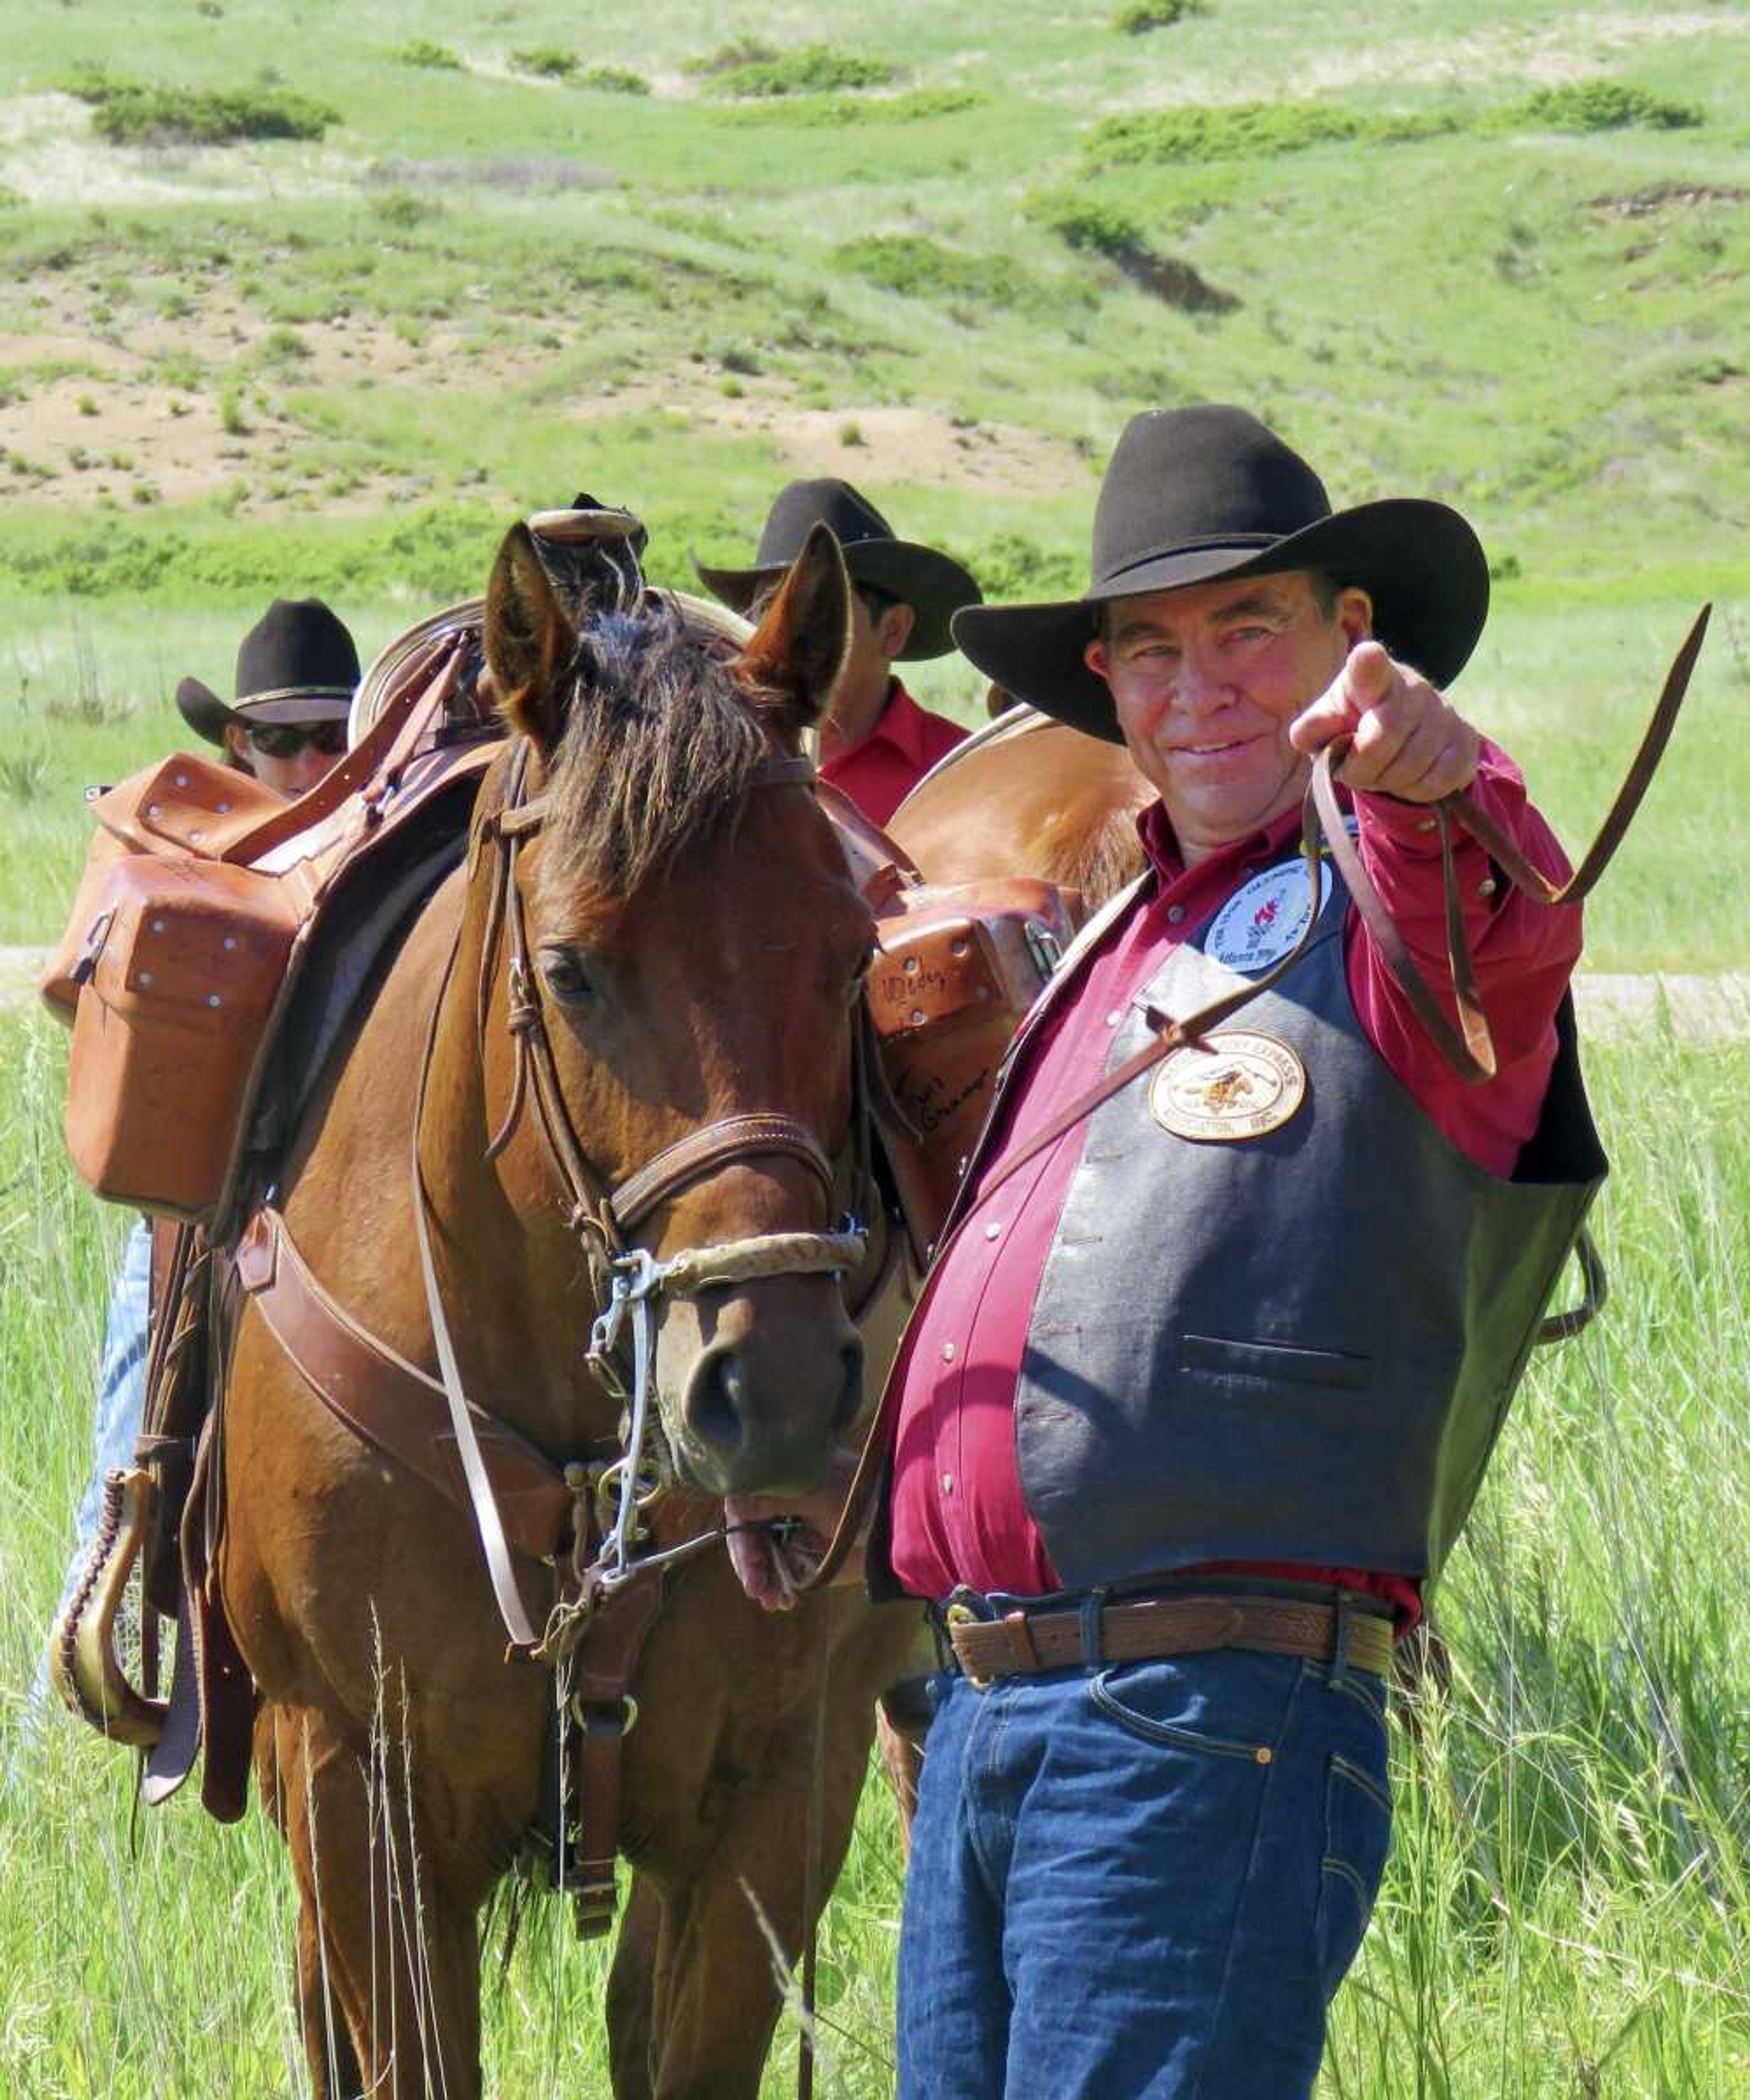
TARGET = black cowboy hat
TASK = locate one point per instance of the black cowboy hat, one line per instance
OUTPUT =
(1195, 493)
(296, 665)
(931, 584)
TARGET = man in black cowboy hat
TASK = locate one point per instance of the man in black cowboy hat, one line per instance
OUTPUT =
(1198, 1396)
(296, 671)
(876, 742)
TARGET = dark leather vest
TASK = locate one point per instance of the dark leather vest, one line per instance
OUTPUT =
(1297, 1345)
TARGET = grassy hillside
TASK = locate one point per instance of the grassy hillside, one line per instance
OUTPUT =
(1501, 260)
(349, 355)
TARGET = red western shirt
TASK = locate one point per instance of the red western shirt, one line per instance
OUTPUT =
(959, 1514)
(879, 772)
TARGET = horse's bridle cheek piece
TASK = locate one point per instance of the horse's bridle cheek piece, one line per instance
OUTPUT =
(628, 1282)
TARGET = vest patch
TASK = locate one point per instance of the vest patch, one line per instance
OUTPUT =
(1262, 920)
(1233, 1085)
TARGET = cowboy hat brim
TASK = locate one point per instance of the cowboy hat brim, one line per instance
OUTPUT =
(1420, 562)
(209, 716)
(932, 584)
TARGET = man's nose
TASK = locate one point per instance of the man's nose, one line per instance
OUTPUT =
(1203, 686)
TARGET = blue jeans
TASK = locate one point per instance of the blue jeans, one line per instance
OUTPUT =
(116, 1424)
(1141, 1882)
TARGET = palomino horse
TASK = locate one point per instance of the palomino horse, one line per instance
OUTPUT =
(690, 944)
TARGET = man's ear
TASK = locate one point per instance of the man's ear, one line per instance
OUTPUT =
(237, 749)
(798, 649)
(893, 629)
(1354, 612)
(529, 642)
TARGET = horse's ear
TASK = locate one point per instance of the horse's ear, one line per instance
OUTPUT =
(529, 639)
(798, 649)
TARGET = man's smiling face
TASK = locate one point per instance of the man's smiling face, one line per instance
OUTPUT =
(1206, 681)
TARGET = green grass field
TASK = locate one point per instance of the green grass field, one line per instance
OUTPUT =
(1496, 254)
(1565, 1906)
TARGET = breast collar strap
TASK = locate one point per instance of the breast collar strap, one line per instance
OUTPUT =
(628, 1282)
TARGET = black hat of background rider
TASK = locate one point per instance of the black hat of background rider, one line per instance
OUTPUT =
(1193, 494)
(296, 663)
(933, 584)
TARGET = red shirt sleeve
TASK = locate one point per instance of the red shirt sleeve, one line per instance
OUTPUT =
(1523, 952)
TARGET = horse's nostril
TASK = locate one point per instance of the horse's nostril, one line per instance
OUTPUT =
(719, 1395)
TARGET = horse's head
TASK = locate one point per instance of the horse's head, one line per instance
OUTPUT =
(695, 951)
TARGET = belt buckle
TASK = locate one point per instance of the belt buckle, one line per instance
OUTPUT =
(963, 1615)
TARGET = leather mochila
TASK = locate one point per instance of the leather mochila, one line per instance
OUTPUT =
(177, 962)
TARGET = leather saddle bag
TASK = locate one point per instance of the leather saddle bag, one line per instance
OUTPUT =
(180, 965)
(956, 968)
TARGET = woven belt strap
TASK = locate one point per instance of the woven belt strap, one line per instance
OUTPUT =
(1024, 1642)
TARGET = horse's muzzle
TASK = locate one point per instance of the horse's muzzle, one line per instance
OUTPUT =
(762, 1413)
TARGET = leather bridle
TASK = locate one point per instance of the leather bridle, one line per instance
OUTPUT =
(628, 1282)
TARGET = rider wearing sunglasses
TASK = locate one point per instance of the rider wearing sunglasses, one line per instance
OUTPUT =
(297, 669)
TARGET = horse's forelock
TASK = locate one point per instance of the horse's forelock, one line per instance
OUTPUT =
(660, 748)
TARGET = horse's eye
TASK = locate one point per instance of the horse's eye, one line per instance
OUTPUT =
(565, 974)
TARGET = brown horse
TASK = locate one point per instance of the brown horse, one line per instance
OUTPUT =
(1027, 795)
(695, 952)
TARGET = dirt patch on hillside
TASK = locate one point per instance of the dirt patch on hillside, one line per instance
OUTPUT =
(184, 392)
(1577, 48)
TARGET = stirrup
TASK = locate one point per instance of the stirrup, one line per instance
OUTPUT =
(83, 1665)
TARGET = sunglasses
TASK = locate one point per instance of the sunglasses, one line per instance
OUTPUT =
(286, 740)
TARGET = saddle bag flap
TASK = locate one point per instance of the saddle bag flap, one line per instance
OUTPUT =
(183, 965)
(957, 966)
(186, 806)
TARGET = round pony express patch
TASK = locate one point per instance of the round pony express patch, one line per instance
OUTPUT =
(1232, 1085)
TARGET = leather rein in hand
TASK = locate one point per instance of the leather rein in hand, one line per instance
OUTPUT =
(1468, 1048)
(627, 1280)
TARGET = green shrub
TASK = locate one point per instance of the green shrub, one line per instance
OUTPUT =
(405, 209)
(613, 80)
(1249, 130)
(130, 113)
(1142, 16)
(744, 52)
(421, 51)
(828, 110)
(1012, 567)
(1606, 105)
(816, 69)
(917, 268)
(546, 62)
(1087, 225)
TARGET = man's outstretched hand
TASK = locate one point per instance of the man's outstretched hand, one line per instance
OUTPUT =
(1406, 740)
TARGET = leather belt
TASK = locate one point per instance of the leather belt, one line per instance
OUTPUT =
(1023, 1642)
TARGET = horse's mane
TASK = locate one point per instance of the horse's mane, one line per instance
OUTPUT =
(659, 749)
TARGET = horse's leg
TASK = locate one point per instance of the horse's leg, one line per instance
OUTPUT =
(902, 1720)
(631, 1987)
(388, 1957)
(328, 2048)
(715, 2000)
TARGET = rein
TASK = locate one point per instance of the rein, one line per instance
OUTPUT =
(629, 1281)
